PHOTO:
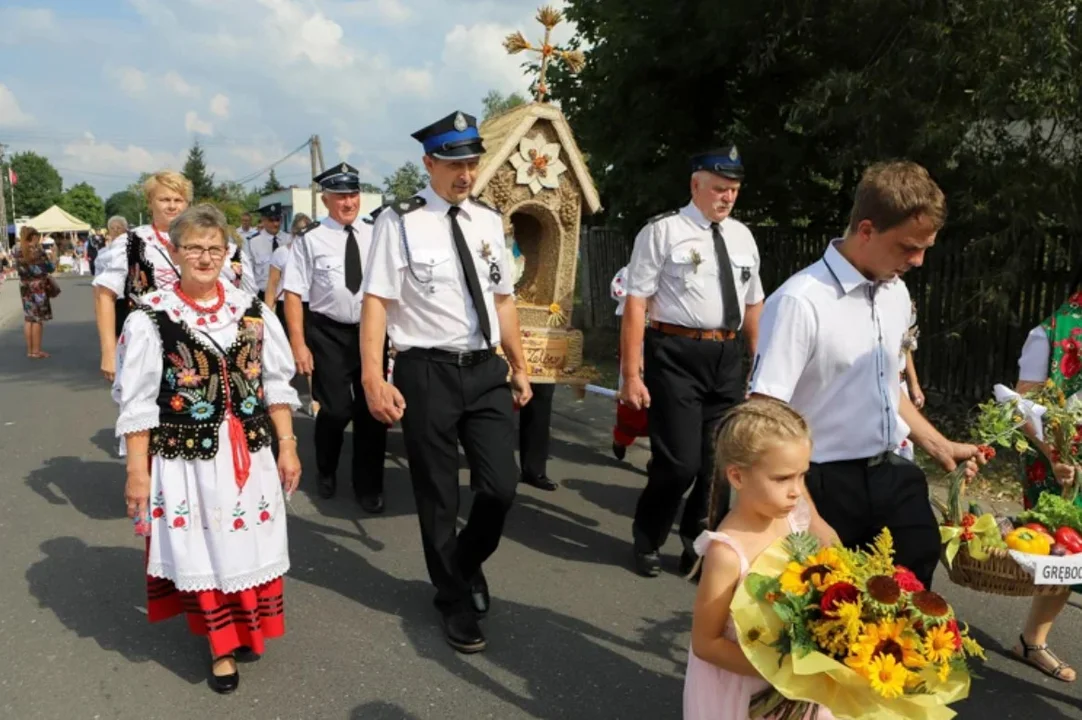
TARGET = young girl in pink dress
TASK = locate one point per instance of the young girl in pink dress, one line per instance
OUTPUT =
(763, 450)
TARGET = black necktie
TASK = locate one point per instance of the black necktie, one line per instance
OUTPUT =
(470, 271)
(730, 305)
(274, 243)
(353, 262)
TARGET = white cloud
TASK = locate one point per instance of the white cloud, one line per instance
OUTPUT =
(131, 80)
(193, 124)
(178, 85)
(477, 52)
(219, 105)
(90, 155)
(412, 82)
(11, 115)
(343, 148)
(21, 24)
(155, 11)
(297, 32)
(385, 12)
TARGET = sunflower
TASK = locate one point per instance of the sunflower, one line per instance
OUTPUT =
(930, 608)
(818, 571)
(940, 644)
(887, 676)
(887, 637)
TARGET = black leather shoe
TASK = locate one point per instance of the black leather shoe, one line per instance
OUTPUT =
(647, 564)
(224, 684)
(327, 486)
(246, 655)
(463, 633)
(619, 451)
(541, 483)
(479, 594)
(372, 504)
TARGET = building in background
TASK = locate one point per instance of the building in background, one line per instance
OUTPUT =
(299, 200)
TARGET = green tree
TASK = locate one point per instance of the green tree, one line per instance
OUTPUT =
(83, 202)
(272, 185)
(986, 94)
(38, 186)
(247, 199)
(496, 103)
(128, 205)
(369, 188)
(195, 169)
(405, 182)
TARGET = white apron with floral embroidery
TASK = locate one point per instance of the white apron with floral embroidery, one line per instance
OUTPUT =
(206, 533)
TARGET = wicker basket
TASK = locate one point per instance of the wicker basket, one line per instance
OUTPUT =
(998, 575)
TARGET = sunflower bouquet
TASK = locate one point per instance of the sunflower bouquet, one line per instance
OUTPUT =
(849, 631)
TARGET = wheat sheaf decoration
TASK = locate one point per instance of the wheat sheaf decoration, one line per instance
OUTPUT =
(516, 42)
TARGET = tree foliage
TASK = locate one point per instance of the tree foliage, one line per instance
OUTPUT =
(370, 188)
(405, 182)
(987, 94)
(195, 169)
(496, 103)
(38, 186)
(82, 201)
(129, 203)
(272, 185)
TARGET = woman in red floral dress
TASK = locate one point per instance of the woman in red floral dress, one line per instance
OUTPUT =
(1052, 351)
(203, 384)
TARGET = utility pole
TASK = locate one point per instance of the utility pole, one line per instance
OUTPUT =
(315, 154)
(3, 208)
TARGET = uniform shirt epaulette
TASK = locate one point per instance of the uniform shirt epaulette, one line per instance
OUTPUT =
(408, 206)
(310, 226)
(485, 205)
(368, 221)
(375, 213)
(662, 216)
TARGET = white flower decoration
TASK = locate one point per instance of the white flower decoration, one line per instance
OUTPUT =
(538, 164)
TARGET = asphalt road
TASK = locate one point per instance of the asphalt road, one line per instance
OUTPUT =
(573, 632)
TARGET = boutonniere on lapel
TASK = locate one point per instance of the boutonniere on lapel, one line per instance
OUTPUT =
(696, 260)
(493, 265)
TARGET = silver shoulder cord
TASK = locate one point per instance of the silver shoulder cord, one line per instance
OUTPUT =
(406, 247)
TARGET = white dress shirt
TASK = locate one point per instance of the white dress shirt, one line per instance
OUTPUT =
(829, 344)
(423, 275)
(280, 260)
(674, 265)
(316, 269)
(260, 248)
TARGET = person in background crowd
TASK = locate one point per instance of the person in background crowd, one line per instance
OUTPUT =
(260, 247)
(276, 288)
(246, 230)
(203, 388)
(36, 287)
(696, 271)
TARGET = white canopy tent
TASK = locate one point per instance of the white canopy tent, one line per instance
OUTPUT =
(57, 220)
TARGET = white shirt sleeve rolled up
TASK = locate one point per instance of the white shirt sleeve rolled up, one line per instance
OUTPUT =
(787, 338)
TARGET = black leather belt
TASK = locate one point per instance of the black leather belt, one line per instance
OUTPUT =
(461, 359)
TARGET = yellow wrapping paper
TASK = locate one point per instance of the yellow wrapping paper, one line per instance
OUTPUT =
(822, 679)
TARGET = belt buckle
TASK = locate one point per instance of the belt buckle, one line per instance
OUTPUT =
(461, 359)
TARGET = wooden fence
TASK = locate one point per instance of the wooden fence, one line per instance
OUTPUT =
(976, 301)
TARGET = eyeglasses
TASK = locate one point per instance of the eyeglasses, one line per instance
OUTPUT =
(195, 252)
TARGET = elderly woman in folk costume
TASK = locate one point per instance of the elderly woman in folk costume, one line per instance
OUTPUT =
(202, 382)
(140, 262)
(1052, 352)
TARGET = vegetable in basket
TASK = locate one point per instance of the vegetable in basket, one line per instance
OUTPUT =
(1029, 541)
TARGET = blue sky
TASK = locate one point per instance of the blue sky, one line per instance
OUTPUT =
(107, 89)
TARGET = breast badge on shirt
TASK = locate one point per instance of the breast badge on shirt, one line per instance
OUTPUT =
(493, 265)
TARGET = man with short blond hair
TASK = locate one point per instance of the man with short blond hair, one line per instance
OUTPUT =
(830, 347)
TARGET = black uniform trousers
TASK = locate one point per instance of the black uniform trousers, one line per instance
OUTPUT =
(534, 424)
(447, 404)
(691, 383)
(858, 498)
(336, 385)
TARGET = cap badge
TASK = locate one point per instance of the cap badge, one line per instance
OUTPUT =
(733, 154)
(460, 122)
(404, 205)
(342, 167)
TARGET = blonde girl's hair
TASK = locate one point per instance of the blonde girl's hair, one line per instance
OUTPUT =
(745, 433)
(168, 180)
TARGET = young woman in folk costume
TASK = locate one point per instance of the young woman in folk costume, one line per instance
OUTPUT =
(1052, 351)
(203, 384)
(139, 262)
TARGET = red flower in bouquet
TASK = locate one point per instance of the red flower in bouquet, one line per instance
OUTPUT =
(907, 580)
(1037, 472)
(1070, 364)
(953, 627)
(836, 594)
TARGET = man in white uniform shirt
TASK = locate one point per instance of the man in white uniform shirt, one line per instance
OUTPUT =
(830, 346)
(696, 271)
(246, 230)
(325, 262)
(438, 283)
(258, 249)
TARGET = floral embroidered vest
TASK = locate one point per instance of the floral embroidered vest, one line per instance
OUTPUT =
(140, 279)
(195, 393)
(1064, 330)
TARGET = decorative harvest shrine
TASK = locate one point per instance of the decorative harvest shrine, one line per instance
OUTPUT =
(535, 175)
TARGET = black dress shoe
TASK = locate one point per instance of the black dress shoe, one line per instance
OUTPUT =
(618, 450)
(541, 483)
(371, 504)
(479, 596)
(327, 486)
(647, 564)
(224, 684)
(463, 633)
(246, 655)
